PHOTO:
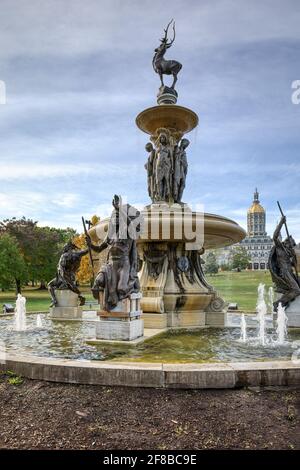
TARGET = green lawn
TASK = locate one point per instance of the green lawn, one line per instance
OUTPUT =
(36, 300)
(232, 286)
(240, 287)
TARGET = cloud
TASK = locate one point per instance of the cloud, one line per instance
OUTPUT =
(78, 73)
(64, 28)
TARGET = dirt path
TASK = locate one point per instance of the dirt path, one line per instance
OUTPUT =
(43, 415)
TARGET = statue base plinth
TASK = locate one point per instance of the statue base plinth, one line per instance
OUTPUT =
(116, 330)
(65, 313)
(293, 313)
(167, 95)
(67, 306)
(123, 323)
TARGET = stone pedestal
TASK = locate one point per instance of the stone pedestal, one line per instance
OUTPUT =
(216, 312)
(293, 313)
(122, 330)
(123, 323)
(67, 307)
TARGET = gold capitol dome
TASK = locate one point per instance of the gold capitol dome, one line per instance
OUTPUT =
(256, 207)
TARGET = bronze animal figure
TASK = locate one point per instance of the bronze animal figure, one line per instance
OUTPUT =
(160, 64)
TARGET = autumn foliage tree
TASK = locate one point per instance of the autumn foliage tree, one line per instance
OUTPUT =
(85, 273)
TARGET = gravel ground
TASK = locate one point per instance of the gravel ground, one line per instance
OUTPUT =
(44, 415)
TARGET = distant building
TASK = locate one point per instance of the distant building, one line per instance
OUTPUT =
(257, 242)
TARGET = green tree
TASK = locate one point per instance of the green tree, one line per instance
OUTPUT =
(12, 264)
(240, 258)
(211, 265)
(39, 246)
(21, 230)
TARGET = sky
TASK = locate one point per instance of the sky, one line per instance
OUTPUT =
(78, 73)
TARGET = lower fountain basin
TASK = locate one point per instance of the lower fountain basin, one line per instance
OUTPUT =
(68, 340)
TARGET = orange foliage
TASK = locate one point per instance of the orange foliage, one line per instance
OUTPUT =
(85, 273)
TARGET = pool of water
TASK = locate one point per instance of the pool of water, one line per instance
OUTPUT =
(69, 340)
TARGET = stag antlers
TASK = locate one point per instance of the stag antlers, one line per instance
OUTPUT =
(165, 38)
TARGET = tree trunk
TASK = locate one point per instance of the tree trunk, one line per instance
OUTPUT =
(18, 286)
(43, 285)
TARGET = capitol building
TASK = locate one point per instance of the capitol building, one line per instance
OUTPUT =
(257, 243)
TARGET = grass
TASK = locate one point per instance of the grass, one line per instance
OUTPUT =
(36, 300)
(13, 379)
(240, 287)
(232, 286)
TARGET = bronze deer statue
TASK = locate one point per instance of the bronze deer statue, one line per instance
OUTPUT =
(162, 66)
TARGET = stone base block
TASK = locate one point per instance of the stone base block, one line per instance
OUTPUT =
(186, 319)
(66, 298)
(65, 313)
(155, 320)
(119, 330)
(293, 313)
(293, 320)
(215, 319)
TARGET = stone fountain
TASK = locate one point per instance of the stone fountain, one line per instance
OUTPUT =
(174, 237)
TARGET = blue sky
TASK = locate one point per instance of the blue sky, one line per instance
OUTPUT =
(77, 74)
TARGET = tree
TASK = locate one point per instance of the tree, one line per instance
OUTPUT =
(211, 265)
(12, 264)
(240, 258)
(39, 246)
(85, 272)
(22, 230)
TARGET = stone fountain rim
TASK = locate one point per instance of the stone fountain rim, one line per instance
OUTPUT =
(188, 116)
(156, 375)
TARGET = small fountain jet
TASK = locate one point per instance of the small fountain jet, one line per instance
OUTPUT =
(20, 314)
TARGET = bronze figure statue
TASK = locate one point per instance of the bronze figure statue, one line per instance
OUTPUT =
(67, 267)
(160, 64)
(166, 168)
(150, 168)
(118, 278)
(283, 267)
(180, 170)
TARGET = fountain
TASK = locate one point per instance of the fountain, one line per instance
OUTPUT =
(271, 299)
(39, 321)
(277, 338)
(175, 292)
(20, 314)
(243, 337)
(174, 237)
(261, 314)
(281, 329)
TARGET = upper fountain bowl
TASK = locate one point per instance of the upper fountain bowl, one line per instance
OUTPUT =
(168, 116)
(218, 232)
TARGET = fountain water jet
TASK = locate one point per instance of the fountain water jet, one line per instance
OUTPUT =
(281, 329)
(20, 314)
(243, 337)
(39, 323)
(271, 299)
(261, 314)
